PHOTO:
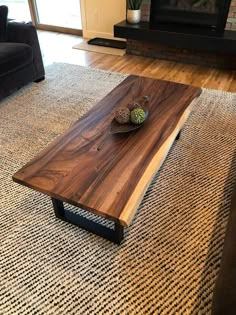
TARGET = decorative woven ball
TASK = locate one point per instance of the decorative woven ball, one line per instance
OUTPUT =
(137, 116)
(134, 105)
(122, 115)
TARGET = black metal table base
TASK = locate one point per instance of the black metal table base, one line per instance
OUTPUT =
(115, 235)
(178, 135)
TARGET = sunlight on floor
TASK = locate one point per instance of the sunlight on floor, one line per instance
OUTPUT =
(57, 47)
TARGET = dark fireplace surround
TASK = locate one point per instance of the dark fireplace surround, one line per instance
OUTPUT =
(171, 34)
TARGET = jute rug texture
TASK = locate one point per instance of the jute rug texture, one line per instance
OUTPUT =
(170, 258)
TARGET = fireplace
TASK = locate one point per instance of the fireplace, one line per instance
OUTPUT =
(206, 14)
(187, 31)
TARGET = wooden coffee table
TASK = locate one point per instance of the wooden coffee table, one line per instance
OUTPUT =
(110, 180)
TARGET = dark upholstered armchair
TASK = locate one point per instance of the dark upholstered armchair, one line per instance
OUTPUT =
(20, 55)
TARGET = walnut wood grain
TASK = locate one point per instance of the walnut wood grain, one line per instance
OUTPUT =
(111, 182)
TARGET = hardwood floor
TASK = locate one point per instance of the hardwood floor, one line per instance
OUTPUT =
(58, 48)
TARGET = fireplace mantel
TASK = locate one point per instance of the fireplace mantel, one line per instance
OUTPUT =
(181, 44)
(182, 37)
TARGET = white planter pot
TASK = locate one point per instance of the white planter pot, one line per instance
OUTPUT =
(133, 16)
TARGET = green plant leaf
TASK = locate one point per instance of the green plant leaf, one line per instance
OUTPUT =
(131, 5)
(134, 4)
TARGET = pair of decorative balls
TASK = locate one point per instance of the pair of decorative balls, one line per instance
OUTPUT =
(133, 113)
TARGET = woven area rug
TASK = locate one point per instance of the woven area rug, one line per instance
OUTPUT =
(169, 260)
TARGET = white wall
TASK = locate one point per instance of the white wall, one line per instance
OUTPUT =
(99, 16)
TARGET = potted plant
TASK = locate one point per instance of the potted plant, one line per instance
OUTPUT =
(134, 12)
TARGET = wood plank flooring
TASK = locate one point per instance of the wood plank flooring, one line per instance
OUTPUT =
(58, 48)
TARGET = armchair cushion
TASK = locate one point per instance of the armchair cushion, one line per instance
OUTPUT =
(3, 23)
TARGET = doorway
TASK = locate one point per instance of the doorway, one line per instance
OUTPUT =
(54, 15)
(50, 15)
(18, 10)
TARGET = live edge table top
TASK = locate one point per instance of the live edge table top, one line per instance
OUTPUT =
(112, 181)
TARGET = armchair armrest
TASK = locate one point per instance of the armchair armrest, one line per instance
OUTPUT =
(26, 33)
(21, 33)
